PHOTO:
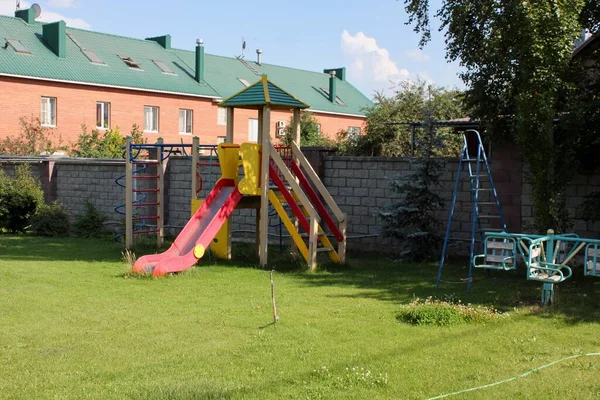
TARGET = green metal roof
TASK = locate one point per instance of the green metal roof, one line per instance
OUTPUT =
(222, 74)
(263, 93)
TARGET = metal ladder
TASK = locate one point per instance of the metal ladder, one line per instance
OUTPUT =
(483, 212)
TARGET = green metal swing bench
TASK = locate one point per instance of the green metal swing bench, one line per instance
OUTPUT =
(545, 257)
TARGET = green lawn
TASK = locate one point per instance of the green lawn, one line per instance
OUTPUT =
(73, 326)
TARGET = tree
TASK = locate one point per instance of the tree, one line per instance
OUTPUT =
(516, 56)
(32, 140)
(411, 219)
(310, 132)
(409, 102)
(106, 145)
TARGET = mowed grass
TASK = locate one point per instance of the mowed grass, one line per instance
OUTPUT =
(74, 326)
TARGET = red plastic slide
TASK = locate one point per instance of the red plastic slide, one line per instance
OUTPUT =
(200, 230)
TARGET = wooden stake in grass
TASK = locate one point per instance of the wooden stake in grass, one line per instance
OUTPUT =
(275, 316)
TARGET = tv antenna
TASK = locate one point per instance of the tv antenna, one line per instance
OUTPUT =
(243, 47)
(18, 5)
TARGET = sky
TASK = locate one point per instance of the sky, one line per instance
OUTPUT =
(369, 38)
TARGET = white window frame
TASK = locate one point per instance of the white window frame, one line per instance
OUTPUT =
(184, 115)
(104, 109)
(48, 106)
(251, 124)
(222, 116)
(155, 119)
(354, 131)
(221, 139)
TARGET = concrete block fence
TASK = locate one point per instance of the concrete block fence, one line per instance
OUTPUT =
(360, 185)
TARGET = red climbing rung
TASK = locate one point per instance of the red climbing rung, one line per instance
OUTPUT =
(144, 204)
(145, 190)
(150, 231)
(144, 218)
(206, 164)
(145, 176)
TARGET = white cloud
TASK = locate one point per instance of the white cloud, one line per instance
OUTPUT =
(51, 16)
(424, 76)
(63, 3)
(417, 55)
(7, 7)
(371, 59)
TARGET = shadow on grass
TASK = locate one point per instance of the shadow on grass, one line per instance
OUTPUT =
(31, 248)
(379, 277)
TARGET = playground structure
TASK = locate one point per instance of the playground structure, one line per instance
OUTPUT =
(144, 186)
(546, 257)
(277, 175)
(484, 211)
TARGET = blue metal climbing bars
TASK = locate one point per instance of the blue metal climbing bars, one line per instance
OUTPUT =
(484, 210)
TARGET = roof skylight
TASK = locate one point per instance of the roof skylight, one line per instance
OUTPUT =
(130, 63)
(337, 98)
(18, 46)
(163, 67)
(93, 57)
(244, 82)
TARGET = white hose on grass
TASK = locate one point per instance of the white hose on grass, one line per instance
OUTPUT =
(514, 378)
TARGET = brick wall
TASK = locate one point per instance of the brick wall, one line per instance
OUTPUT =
(76, 105)
(360, 185)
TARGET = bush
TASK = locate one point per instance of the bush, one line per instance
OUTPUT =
(33, 139)
(51, 220)
(446, 313)
(20, 197)
(91, 223)
(103, 145)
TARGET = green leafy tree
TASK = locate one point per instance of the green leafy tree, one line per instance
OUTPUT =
(310, 132)
(409, 102)
(515, 55)
(33, 139)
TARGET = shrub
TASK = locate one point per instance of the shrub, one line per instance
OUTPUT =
(33, 139)
(51, 220)
(19, 199)
(91, 223)
(446, 313)
(106, 145)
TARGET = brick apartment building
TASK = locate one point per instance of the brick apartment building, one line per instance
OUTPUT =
(68, 77)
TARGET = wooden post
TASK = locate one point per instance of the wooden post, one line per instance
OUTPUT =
(195, 143)
(230, 125)
(264, 121)
(128, 195)
(343, 225)
(160, 195)
(296, 138)
(296, 131)
(313, 240)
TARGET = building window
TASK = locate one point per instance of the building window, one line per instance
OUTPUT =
(253, 130)
(151, 119)
(353, 131)
(48, 117)
(222, 116)
(102, 115)
(185, 122)
(221, 139)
